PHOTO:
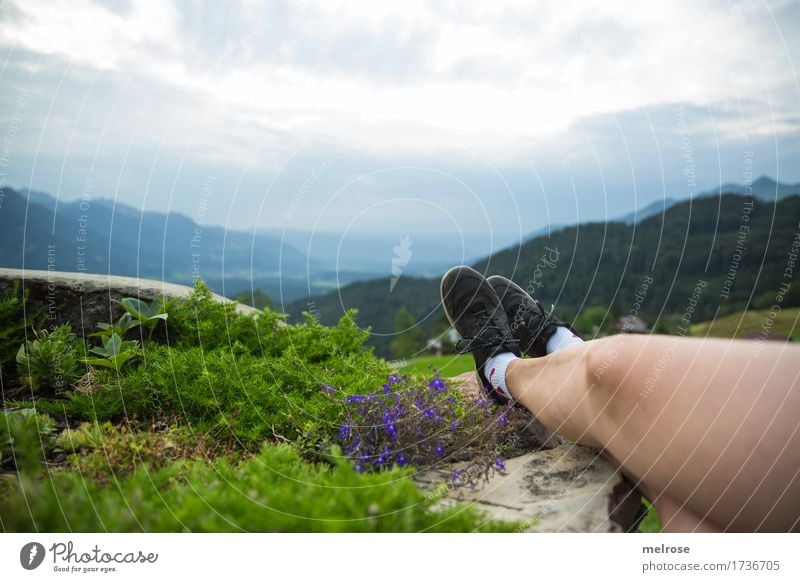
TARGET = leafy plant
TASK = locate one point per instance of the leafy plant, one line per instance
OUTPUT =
(88, 436)
(124, 323)
(114, 353)
(147, 314)
(25, 437)
(50, 363)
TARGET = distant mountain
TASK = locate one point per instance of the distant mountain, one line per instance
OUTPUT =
(100, 236)
(605, 264)
(288, 265)
(764, 188)
(373, 254)
(657, 207)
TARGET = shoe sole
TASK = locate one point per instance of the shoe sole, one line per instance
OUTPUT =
(510, 284)
(441, 292)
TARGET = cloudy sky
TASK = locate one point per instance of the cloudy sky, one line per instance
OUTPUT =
(365, 116)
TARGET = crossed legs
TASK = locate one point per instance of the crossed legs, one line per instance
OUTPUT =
(709, 429)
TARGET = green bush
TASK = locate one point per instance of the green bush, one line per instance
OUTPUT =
(242, 395)
(274, 491)
(12, 328)
(200, 320)
(51, 362)
(26, 438)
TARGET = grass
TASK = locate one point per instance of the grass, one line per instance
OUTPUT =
(737, 325)
(651, 523)
(448, 366)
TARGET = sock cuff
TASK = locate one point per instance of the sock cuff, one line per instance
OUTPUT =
(563, 337)
(495, 372)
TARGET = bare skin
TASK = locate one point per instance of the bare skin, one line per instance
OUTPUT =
(709, 429)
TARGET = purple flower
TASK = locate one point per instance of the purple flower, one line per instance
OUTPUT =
(344, 431)
(401, 460)
(502, 421)
(437, 384)
(439, 449)
(354, 398)
(328, 389)
(500, 464)
(454, 424)
(394, 379)
(359, 467)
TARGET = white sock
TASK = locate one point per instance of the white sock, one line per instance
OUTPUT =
(495, 371)
(563, 338)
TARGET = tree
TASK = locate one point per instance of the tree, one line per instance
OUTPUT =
(255, 298)
(591, 321)
(443, 332)
(409, 338)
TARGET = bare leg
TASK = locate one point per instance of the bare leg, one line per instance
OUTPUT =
(709, 428)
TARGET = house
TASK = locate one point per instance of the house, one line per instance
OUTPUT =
(630, 324)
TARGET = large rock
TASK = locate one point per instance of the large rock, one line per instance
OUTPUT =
(570, 488)
(84, 300)
(561, 485)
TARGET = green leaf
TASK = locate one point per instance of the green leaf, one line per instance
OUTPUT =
(113, 345)
(105, 363)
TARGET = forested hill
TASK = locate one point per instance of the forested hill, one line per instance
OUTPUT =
(737, 246)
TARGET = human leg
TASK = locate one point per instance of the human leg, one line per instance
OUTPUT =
(709, 425)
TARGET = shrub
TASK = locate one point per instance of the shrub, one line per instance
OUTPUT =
(51, 362)
(275, 491)
(12, 328)
(424, 424)
(26, 438)
(247, 397)
(199, 320)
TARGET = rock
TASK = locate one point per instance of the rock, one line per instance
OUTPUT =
(84, 300)
(570, 488)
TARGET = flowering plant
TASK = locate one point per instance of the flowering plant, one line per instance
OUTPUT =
(423, 423)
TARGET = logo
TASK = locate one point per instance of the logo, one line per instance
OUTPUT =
(402, 256)
(31, 555)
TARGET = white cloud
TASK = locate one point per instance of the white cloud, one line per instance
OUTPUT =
(464, 74)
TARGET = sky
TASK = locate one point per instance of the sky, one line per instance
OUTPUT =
(463, 118)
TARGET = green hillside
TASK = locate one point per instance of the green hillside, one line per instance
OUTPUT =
(736, 325)
(604, 264)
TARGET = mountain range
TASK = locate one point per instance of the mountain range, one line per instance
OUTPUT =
(294, 267)
(730, 247)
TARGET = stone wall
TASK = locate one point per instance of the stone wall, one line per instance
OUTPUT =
(84, 300)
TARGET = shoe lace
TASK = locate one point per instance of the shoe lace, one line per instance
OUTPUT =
(537, 323)
(489, 335)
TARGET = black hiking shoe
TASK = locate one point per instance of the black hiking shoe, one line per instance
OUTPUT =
(531, 325)
(475, 311)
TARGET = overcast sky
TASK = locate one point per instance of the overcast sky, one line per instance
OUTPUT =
(414, 116)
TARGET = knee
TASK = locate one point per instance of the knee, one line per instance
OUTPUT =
(609, 362)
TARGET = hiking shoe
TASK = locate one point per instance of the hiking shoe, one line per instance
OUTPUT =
(530, 324)
(476, 313)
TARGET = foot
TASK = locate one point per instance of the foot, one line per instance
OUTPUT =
(475, 311)
(530, 324)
